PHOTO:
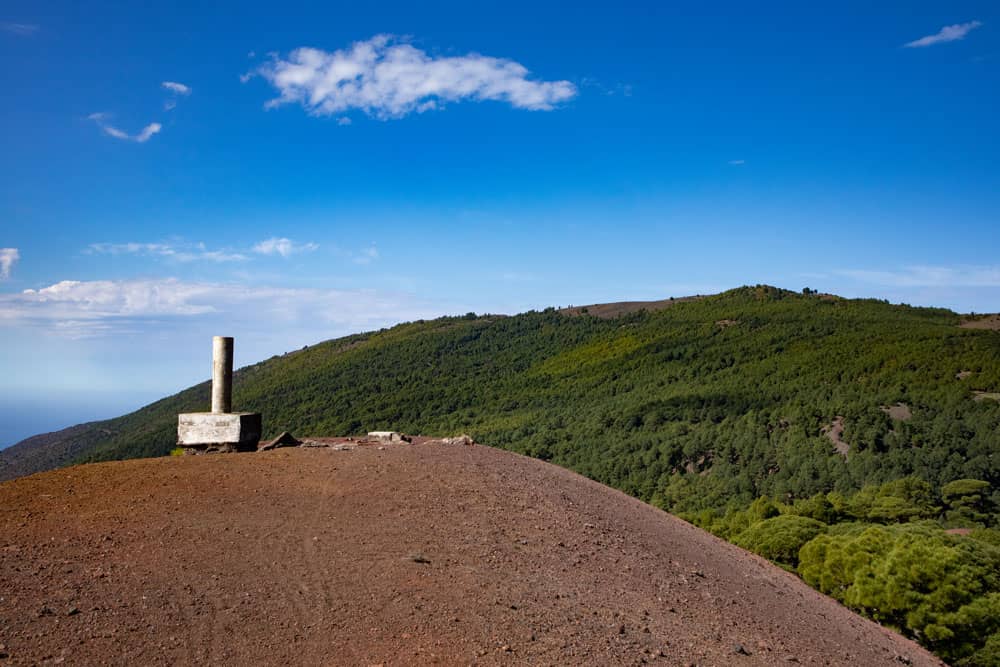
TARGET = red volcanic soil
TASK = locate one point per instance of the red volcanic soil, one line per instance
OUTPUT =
(609, 310)
(990, 322)
(396, 555)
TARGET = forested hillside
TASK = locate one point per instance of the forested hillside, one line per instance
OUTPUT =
(764, 415)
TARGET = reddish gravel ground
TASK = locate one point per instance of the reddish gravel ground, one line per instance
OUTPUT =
(407, 554)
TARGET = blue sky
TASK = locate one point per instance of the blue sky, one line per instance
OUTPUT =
(286, 175)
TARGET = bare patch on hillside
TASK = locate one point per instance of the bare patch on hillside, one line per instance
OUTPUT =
(985, 396)
(899, 411)
(961, 375)
(835, 432)
(990, 322)
(607, 311)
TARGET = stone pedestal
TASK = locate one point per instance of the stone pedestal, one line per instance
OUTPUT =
(202, 432)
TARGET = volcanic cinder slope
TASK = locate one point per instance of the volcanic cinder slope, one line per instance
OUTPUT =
(396, 555)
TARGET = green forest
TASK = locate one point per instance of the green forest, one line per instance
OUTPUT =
(851, 441)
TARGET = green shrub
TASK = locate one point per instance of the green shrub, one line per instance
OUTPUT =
(987, 656)
(968, 502)
(940, 589)
(780, 538)
(988, 535)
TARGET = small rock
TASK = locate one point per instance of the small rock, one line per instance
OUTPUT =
(459, 440)
(73, 611)
(506, 648)
(286, 439)
(739, 649)
(790, 658)
(419, 558)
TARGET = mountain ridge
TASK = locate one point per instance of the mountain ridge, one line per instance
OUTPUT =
(149, 430)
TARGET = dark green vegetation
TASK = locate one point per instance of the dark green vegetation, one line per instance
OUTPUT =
(884, 551)
(701, 408)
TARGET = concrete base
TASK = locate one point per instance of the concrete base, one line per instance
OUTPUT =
(202, 432)
(387, 436)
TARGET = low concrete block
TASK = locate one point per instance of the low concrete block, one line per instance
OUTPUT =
(387, 436)
(200, 432)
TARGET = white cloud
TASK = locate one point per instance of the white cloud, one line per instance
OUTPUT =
(949, 33)
(23, 29)
(386, 78)
(147, 132)
(101, 118)
(737, 163)
(84, 309)
(181, 252)
(283, 247)
(343, 120)
(928, 276)
(178, 88)
(8, 258)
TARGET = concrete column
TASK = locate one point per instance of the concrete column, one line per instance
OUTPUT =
(222, 374)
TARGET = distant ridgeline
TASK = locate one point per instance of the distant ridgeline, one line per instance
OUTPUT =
(814, 404)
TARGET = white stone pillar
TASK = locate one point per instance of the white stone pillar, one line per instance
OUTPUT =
(222, 374)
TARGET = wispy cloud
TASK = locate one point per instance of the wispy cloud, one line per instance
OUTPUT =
(282, 246)
(23, 29)
(177, 88)
(387, 78)
(147, 132)
(624, 89)
(949, 33)
(82, 309)
(101, 118)
(928, 276)
(181, 252)
(737, 163)
(366, 256)
(8, 258)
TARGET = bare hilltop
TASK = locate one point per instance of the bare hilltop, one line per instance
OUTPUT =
(421, 553)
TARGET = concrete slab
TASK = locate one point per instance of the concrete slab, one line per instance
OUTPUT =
(387, 436)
